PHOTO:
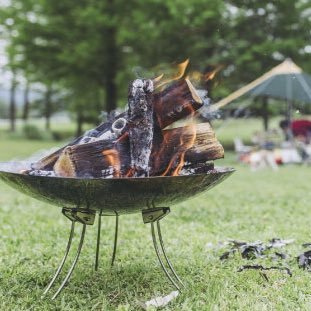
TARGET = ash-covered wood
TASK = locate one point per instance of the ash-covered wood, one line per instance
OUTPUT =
(177, 101)
(140, 125)
(136, 144)
(196, 168)
(111, 158)
(103, 158)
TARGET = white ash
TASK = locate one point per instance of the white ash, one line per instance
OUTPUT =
(42, 173)
(187, 171)
(140, 116)
(116, 131)
(108, 173)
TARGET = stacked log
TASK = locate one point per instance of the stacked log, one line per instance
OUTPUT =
(136, 144)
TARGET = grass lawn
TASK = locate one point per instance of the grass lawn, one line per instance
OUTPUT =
(248, 206)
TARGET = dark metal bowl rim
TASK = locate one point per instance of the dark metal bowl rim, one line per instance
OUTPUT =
(215, 170)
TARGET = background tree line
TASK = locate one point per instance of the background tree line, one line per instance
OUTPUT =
(85, 52)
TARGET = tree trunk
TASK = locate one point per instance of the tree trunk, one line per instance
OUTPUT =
(111, 61)
(48, 108)
(13, 103)
(26, 103)
(265, 113)
(79, 124)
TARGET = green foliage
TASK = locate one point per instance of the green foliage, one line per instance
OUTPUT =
(31, 132)
(89, 49)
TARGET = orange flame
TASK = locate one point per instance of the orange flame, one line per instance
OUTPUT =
(211, 75)
(130, 172)
(113, 159)
(200, 77)
(187, 140)
(181, 68)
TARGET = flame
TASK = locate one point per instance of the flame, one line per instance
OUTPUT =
(181, 68)
(113, 158)
(211, 75)
(197, 76)
(130, 172)
(187, 140)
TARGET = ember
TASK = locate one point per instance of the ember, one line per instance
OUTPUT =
(136, 142)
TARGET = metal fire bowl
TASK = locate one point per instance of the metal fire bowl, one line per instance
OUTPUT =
(118, 195)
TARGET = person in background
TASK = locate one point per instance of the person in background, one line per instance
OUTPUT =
(298, 132)
(299, 129)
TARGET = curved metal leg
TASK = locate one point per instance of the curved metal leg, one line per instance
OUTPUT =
(164, 253)
(73, 264)
(98, 239)
(115, 240)
(60, 267)
(159, 257)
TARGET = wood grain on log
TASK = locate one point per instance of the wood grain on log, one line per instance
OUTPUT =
(140, 125)
(177, 101)
(189, 144)
(184, 146)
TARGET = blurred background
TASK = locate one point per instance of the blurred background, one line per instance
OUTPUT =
(65, 63)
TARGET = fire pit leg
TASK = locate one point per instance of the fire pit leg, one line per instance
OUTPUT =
(98, 239)
(152, 216)
(85, 217)
(114, 244)
(73, 264)
(59, 269)
(115, 240)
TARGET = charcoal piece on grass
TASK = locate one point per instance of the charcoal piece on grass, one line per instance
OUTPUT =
(252, 250)
(262, 268)
(276, 242)
(279, 255)
(304, 260)
(226, 255)
(140, 125)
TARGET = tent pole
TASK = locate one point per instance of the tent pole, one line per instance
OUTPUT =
(289, 110)
(265, 113)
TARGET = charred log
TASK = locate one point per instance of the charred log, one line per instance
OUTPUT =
(196, 168)
(140, 125)
(101, 158)
(183, 150)
(177, 101)
(189, 144)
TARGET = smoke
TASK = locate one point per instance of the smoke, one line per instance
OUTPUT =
(16, 165)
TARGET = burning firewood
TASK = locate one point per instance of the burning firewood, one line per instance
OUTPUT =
(186, 145)
(177, 101)
(184, 149)
(136, 143)
(140, 128)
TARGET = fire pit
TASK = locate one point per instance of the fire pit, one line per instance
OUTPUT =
(84, 198)
(135, 162)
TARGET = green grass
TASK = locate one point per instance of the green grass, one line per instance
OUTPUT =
(242, 128)
(248, 206)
